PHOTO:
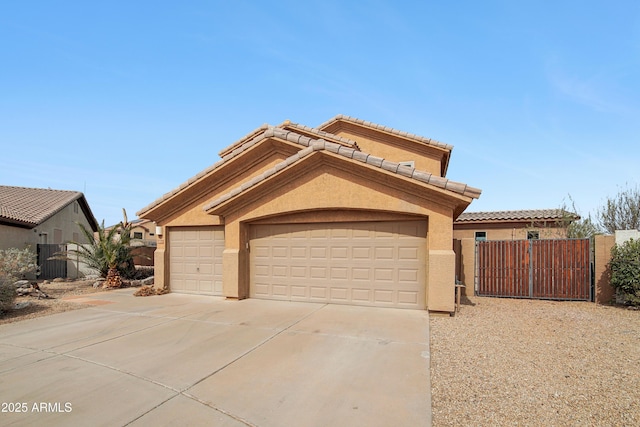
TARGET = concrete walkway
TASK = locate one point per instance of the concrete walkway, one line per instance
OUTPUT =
(187, 360)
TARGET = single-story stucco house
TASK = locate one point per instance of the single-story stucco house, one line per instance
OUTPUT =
(38, 218)
(349, 212)
(29, 216)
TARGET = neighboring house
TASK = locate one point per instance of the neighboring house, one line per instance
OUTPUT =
(143, 235)
(470, 227)
(350, 212)
(30, 217)
(143, 232)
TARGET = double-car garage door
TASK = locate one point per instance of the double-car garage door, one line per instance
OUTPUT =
(360, 263)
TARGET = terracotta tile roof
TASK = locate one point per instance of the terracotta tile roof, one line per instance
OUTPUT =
(429, 141)
(320, 144)
(299, 134)
(315, 133)
(519, 215)
(32, 206)
(248, 137)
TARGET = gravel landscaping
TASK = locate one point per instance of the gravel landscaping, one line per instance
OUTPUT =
(58, 291)
(502, 362)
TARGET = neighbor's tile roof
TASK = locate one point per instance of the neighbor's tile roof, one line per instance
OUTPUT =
(32, 206)
(320, 144)
(429, 141)
(519, 215)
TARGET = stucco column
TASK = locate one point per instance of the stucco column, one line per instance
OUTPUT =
(442, 273)
(441, 264)
(235, 282)
(161, 263)
(604, 292)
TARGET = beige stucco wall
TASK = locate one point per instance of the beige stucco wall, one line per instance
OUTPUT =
(322, 191)
(507, 231)
(148, 230)
(393, 148)
(66, 220)
(15, 237)
(191, 212)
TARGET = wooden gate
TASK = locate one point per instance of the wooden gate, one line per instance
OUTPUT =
(557, 269)
(51, 268)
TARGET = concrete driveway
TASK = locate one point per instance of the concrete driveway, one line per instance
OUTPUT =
(187, 360)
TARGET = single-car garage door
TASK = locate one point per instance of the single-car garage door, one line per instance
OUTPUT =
(360, 263)
(195, 255)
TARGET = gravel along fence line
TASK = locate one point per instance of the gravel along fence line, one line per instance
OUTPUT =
(510, 362)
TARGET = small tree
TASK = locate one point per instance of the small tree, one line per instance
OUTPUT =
(625, 270)
(621, 212)
(576, 226)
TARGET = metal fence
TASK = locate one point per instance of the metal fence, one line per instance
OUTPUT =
(51, 268)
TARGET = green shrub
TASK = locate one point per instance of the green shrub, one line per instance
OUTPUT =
(625, 270)
(17, 263)
(7, 295)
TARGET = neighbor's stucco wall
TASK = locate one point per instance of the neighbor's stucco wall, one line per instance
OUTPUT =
(147, 229)
(507, 231)
(66, 220)
(15, 237)
(317, 191)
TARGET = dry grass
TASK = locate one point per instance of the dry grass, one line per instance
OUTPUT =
(530, 363)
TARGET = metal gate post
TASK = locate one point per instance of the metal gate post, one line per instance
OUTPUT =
(476, 270)
(530, 268)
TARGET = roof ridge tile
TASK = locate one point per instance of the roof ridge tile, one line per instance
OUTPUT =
(388, 129)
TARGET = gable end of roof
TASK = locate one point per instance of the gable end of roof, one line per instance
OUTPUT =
(321, 145)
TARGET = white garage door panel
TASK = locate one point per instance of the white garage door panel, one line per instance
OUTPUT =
(195, 264)
(374, 263)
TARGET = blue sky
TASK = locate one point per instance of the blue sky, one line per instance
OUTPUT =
(126, 100)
